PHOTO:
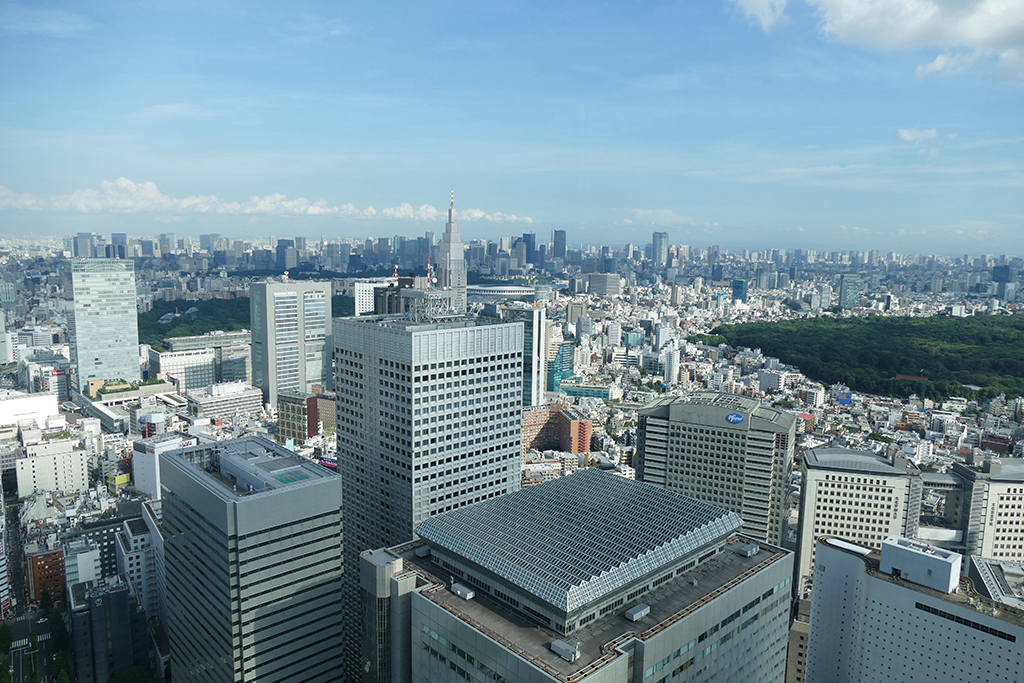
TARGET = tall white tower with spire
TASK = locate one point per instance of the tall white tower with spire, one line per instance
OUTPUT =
(452, 261)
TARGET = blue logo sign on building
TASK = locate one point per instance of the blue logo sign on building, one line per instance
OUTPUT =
(734, 418)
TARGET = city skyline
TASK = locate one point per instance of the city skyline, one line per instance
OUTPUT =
(739, 122)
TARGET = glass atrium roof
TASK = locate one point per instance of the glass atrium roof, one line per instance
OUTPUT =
(575, 539)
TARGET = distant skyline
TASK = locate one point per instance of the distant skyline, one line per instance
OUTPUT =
(821, 124)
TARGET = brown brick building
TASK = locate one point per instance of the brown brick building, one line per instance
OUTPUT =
(556, 427)
(45, 570)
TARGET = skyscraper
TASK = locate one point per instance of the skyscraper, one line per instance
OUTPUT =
(535, 327)
(291, 336)
(849, 290)
(659, 249)
(739, 290)
(559, 246)
(103, 324)
(530, 240)
(725, 449)
(452, 261)
(549, 585)
(428, 420)
(253, 561)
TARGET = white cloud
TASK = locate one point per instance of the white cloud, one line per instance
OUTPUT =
(988, 27)
(766, 12)
(27, 19)
(126, 196)
(909, 24)
(917, 134)
(9, 199)
(949, 63)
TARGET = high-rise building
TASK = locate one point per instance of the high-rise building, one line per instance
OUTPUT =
(291, 336)
(559, 245)
(428, 420)
(903, 614)
(739, 290)
(534, 319)
(548, 585)
(530, 242)
(103, 323)
(108, 629)
(253, 562)
(659, 249)
(849, 290)
(560, 357)
(452, 262)
(725, 449)
(5, 569)
(857, 496)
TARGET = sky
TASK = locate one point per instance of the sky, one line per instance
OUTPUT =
(895, 125)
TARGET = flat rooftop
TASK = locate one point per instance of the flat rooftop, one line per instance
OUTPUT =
(669, 603)
(580, 537)
(249, 466)
(965, 595)
(849, 460)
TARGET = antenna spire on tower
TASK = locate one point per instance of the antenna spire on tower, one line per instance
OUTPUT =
(453, 197)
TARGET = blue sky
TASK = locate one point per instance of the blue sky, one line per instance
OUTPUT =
(824, 124)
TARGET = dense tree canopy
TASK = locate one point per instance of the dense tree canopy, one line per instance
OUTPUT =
(867, 354)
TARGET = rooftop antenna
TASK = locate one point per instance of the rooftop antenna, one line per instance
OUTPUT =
(453, 197)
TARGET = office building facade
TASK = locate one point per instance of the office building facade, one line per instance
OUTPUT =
(903, 614)
(253, 564)
(103, 324)
(725, 449)
(535, 327)
(515, 589)
(659, 249)
(108, 629)
(988, 506)
(857, 496)
(428, 420)
(232, 353)
(291, 336)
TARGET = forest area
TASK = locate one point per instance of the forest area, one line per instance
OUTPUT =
(946, 355)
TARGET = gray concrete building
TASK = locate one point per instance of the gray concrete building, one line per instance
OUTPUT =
(253, 564)
(725, 449)
(291, 336)
(428, 420)
(108, 629)
(585, 578)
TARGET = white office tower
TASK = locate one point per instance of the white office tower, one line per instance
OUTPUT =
(589, 578)
(535, 366)
(253, 563)
(452, 262)
(103, 323)
(291, 336)
(904, 615)
(724, 449)
(429, 419)
(857, 496)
